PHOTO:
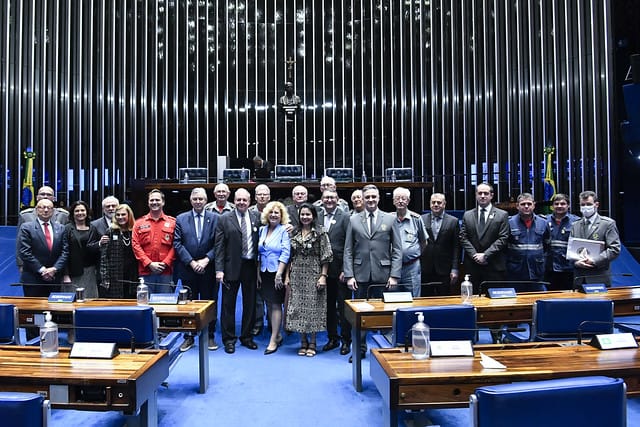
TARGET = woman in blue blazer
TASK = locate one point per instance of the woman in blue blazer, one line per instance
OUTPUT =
(274, 248)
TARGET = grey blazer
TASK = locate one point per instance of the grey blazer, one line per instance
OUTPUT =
(605, 230)
(337, 234)
(372, 257)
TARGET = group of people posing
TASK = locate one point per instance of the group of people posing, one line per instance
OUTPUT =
(296, 265)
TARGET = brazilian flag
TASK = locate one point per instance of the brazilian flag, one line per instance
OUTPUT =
(27, 200)
(549, 182)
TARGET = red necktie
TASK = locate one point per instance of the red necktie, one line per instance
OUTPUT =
(47, 235)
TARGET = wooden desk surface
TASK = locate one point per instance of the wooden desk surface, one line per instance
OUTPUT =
(491, 311)
(123, 383)
(193, 316)
(405, 383)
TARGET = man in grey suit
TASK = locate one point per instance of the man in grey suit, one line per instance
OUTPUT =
(593, 226)
(194, 241)
(483, 237)
(372, 251)
(235, 268)
(336, 222)
(102, 225)
(441, 257)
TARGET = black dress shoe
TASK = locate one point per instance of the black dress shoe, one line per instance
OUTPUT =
(229, 348)
(333, 343)
(362, 356)
(345, 348)
(267, 351)
(250, 344)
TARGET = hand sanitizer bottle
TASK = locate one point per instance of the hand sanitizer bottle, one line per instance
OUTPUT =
(420, 339)
(48, 337)
(466, 290)
(142, 293)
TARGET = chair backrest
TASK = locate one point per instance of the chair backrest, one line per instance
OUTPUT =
(458, 323)
(518, 285)
(9, 333)
(140, 320)
(582, 401)
(24, 409)
(559, 319)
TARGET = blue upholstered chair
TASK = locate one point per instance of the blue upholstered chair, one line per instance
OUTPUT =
(9, 332)
(24, 409)
(447, 323)
(561, 319)
(140, 320)
(583, 401)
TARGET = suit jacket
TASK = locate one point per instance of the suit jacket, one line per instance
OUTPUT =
(28, 215)
(442, 254)
(337, 233)
(187, 245)
(492, 241)
(228, 244)
(604, 229)
(36, 254)
(372, 258)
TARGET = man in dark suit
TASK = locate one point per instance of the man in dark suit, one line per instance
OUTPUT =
(483, 237)
(372, 250)
(235, 268)
(299, 194)
(336, 222)
(441, 257)
(102, 225)
(44, 250)
(194, 241)
(595, 268)
(59, 215)
(261, 169)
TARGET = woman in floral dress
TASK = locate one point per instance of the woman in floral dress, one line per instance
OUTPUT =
(307, 279)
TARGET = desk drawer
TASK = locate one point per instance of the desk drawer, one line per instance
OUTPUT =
(445, 395)
(380, 321)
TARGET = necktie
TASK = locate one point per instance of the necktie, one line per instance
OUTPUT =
(47, 235)
(371, 223)
(481, 221)
(435, 226)
(327, 221)
(198, 226)
(245, 237)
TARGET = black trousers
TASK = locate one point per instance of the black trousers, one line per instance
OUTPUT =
(229, 296)
(337, 292)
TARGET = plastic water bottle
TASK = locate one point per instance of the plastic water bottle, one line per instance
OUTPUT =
(142, 293)
(364, 176)
(48, 337)
(420, 339)
(466, 290)
(393, 176)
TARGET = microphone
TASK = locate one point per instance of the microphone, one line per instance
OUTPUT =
(491, 330)
(376, 286)
(619, 325)
(580, 280)
(106, 328)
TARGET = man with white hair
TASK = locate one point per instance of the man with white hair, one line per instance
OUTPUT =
(414, 239)
(221, 204)
(328, 183)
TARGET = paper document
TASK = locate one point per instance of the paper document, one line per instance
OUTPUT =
(582, 248)
(490, 363)
(363, 306)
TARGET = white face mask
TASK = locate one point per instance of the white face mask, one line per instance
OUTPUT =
(588, 211)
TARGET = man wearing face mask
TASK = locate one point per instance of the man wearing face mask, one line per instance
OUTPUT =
(592, 226)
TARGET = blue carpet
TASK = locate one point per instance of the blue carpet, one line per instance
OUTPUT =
(248, 388)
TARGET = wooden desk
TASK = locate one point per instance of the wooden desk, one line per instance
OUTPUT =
(127, 383)
(447, 382)
(491, 312)
(191, 317)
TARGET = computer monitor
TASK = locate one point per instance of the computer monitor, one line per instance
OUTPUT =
(235, 175)
(193, 175)
(401, 174)
(340, 174)
(289, 172)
